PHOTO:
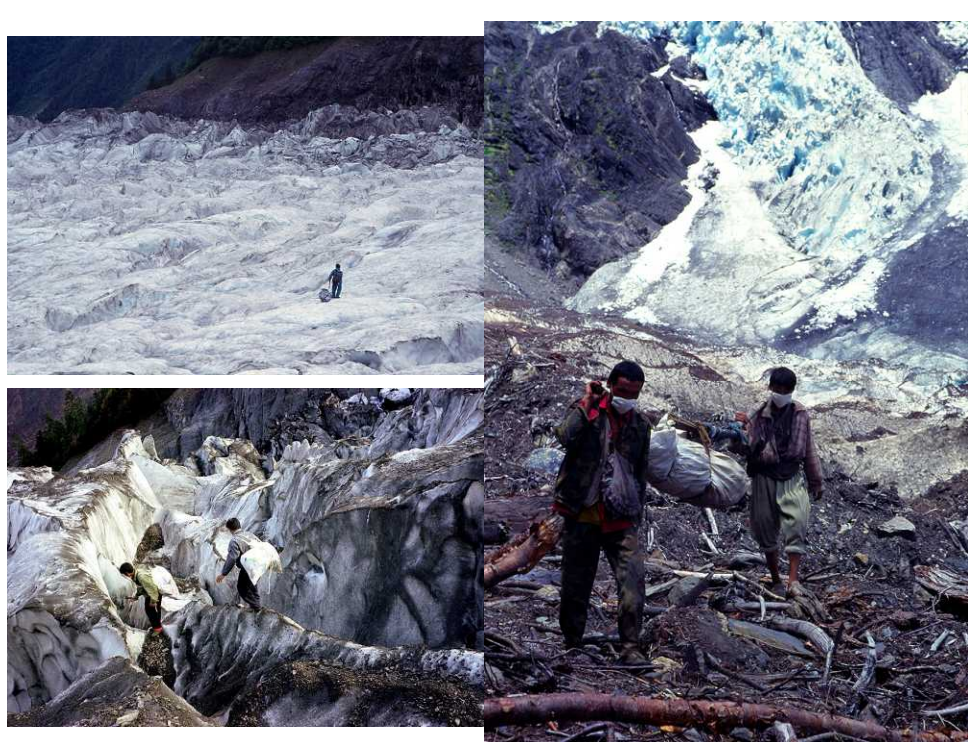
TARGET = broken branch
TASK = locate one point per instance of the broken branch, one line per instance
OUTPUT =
(524, 552)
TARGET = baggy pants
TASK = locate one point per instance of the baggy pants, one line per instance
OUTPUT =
(581, 544)
(153, 613)
(336, 288)
(779, 505)
(247, 591)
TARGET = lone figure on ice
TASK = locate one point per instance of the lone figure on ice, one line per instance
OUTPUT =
(145, 586)
(236, 549)
(336, 279)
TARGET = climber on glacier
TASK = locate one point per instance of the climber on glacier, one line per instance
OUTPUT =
(780, 445)
(145, 585)
(336, 279)
(599, 490)
(236, 549)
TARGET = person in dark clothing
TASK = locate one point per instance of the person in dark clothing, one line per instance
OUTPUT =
(147, 587)
(781, 453)
(236, 549)
(336, 279)
(599, 424)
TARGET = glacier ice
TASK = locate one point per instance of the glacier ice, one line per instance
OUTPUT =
(380, 561)
(146, 244)
(812, 189)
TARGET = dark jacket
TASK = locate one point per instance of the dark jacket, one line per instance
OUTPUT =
(237, 548)
(336, 276)
(577, 486)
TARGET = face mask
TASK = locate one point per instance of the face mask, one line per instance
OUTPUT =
(780, 401)
(622, 405)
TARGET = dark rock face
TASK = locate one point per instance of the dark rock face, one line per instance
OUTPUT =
(921, 292)
(116, 694)
(904, 60)
(585, 150)
(364, 72)
(269, 418)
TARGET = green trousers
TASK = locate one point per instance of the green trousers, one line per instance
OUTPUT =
(581, 545)
(779, 506)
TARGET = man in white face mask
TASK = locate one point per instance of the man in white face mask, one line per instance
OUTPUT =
(781, 453)
(603, 428)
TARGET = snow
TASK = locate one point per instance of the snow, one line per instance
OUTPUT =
(156, 246)
(947, 111)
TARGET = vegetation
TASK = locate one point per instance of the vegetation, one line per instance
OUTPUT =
(84, 424)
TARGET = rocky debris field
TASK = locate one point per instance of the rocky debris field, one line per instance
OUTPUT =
(885, 564)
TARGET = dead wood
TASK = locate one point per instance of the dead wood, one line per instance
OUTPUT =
(524, 552)
(522, 710)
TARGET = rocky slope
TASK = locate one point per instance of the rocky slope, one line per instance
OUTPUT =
(585, 150)
(168, 245)
(48, 75)
(370, 73)
(379, 541)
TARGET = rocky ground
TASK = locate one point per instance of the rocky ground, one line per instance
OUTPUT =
(862, 580)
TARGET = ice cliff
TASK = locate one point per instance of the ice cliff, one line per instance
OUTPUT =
(827, 216)
(379, 546)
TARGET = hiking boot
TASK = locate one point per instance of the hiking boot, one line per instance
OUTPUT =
(573, 643)
(158, 629)
(631, 655)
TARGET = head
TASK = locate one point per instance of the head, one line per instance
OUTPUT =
(338, 266)
(625, 382)
(782, 383)
(233, 524)
(127, 570)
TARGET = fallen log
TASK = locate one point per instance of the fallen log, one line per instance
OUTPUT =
(583, 707)
(816, 635)
(524, 552)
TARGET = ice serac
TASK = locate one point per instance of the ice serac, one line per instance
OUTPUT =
(197, 246)
(815, 195)
(397, 539)
(376, 527)
(63, 587)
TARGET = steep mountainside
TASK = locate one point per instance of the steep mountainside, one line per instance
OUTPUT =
(834, 174)
(364, 72)
(48, 74)
(585, 150)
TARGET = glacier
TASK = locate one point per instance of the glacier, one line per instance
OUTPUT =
(147, 244)
(380, 545)
(815, 199)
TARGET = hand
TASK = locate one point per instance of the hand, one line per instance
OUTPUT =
(155, 606)
(594, 392)
(741, 417)
(220, 579)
